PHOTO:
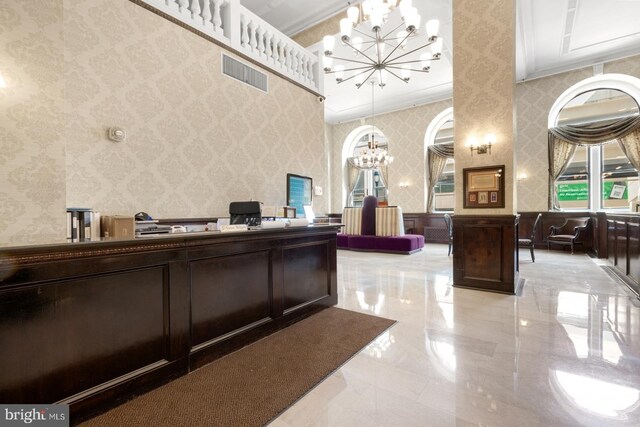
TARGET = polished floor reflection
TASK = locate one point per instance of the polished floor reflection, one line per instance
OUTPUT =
(565, 352)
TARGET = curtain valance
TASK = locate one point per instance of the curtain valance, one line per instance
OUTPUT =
(596, 133)
(442, 150)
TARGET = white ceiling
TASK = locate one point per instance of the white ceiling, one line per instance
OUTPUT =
(552, 36)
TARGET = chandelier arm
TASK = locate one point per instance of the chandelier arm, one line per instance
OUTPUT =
(367, 68)
(399, 68)
(410, 62)
(397, 76)
(355, 61)
(366, 79)
(397, 46)
(356, 75)
(411, 51)
(378, 47)
(393, 31)
(359, 51)
(364, 34)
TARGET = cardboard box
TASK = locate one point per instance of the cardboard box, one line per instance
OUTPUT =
(117, 226)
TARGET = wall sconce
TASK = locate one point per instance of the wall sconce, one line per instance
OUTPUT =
(522, 176)
(485, 148)
(404, 185)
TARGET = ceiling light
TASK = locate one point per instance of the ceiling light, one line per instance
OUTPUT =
(380, 49)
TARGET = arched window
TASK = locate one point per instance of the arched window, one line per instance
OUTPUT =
(594, 140)
(440, 187)
(359, 182)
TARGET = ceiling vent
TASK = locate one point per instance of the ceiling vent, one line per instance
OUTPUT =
(246, 74)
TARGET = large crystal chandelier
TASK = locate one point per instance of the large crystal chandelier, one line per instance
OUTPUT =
(373, 156)
(371, 44)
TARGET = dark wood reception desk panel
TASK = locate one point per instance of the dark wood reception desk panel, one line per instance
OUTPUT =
(91, 324)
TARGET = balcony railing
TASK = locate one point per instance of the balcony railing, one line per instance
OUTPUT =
(233, 25)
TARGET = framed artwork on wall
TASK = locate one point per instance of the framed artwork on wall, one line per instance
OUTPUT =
(484, 187)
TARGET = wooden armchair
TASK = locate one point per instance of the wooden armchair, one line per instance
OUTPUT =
(569, 233)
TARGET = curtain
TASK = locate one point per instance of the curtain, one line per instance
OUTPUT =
(560, 154)
(436, 163)
(630, 145)
(353, 180)
(596, 133)
(384, 175)
(563, 141)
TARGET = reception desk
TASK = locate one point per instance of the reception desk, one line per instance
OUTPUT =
(91, 324)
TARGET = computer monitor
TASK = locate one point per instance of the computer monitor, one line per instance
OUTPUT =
(245, 213)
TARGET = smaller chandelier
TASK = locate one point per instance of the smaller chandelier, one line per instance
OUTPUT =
(373, 156)
(370, 49)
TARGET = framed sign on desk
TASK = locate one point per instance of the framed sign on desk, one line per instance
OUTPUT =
(484, 187)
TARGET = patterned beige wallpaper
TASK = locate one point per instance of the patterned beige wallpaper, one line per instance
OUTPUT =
(484, 90)
(312, 35)
(32, 162)
(196, 139)
(405, 131)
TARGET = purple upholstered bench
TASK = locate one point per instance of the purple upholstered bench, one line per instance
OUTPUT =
(407, 244)
(343, 241)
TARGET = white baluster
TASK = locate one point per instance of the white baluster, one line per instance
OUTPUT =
(217, 19)
(244, 32)
(289, 62)
(267, 45)
(183, 5)
(195, 9)
(303, 70)
(312, 75)
(283, 53)
(295, 66)
(206, 14)
(253, 40)
(276, 52)
(260, 34)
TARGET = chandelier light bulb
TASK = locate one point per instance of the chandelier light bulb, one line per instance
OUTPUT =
(405, 5)
(353, 13)
(376, 18)
(412, 19)
(328, 42)
(432, 27)
(359, 79)
(436, 48)
(392, 3)
(345, 29)
(366, 7)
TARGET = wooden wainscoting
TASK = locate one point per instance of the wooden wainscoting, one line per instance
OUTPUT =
(485, 254)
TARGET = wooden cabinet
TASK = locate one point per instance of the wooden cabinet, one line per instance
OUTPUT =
(91, 324)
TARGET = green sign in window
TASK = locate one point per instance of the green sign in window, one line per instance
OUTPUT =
(573, 191)
(576, 191)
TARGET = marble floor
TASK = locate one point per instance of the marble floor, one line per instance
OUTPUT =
(564, 353)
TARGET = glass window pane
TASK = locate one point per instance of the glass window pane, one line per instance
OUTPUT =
(619, 178)
(573, 184)
(444, 196)
(444, 190)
